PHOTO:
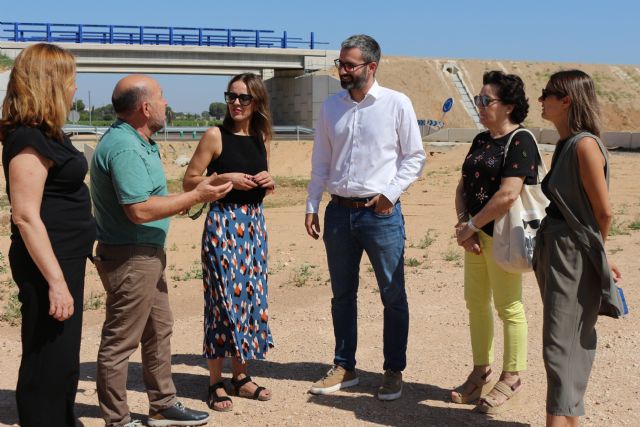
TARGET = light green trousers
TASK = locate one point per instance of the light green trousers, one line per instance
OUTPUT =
(484, 280)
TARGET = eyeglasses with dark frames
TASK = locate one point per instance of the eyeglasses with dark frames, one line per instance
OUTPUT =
(348, 66)
(484, 100)
(551, 92)
(245, 98)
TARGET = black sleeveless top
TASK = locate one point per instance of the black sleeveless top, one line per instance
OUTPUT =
(244, 154)
(66, 206)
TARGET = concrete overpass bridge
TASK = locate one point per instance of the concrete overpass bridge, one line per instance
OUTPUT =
(285, 62)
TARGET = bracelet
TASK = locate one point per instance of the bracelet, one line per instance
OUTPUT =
(462, 215)
(472, 226)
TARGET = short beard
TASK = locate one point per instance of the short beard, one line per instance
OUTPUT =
(357, 82)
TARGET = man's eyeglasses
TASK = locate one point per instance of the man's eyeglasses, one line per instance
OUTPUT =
(484, 100)
(245, 98)
(348, 66)
(550, 92)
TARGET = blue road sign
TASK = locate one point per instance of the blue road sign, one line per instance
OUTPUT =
(447, 105)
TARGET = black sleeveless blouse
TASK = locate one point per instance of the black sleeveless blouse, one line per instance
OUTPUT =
(243, 154)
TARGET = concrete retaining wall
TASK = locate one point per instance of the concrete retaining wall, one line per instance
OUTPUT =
(617, 139)
(625, 140)
(296, 98)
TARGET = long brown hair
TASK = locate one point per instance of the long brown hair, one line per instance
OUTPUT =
(584, 113)
(261, 118)
(38, 89)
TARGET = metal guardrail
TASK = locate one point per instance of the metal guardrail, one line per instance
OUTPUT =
(183, 131)
(150, 35)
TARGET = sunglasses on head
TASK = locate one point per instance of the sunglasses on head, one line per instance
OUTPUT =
(551, 92)
(484, 100)
(349, 67)
(245, 98)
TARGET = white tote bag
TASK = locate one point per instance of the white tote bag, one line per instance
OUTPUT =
(514, 234)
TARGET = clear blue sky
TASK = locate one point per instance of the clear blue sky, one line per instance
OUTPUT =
(543, 30)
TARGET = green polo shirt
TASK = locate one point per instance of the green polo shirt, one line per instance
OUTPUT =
(125, 170)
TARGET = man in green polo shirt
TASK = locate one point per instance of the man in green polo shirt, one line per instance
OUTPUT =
(132, 209)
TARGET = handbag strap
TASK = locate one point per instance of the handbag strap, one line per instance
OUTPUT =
(542, 168)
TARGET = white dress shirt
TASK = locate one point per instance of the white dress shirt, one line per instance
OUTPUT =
(366, 148)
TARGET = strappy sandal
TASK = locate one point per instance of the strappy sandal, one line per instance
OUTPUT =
(213, 398)
(237, 385)
(489, 405)
(482, 386)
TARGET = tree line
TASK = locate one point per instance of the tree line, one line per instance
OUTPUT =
(105, 115)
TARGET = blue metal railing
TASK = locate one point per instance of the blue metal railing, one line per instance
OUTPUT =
(149, 35)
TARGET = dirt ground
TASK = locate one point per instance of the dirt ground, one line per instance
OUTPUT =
(439, 355)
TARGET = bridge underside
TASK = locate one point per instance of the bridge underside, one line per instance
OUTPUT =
(296, 95)
(99, 58)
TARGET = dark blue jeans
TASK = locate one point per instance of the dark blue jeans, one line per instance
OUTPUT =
(347, 233)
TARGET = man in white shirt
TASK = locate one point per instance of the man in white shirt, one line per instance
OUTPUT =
(367, 151)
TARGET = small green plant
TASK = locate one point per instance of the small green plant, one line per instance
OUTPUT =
(94, 301)
(411, 262)
(451, 255)
(617, 228)
(292, 182)
(12, 313)
(428, 239)
(195, 272)
(3, 264)
(635, 224)
(173, 247)
(174, 186)
(302, 275)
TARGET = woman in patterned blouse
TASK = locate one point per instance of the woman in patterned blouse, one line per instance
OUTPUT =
(489, 185)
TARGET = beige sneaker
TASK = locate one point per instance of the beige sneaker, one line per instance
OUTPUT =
(391, 388)
(334, 380)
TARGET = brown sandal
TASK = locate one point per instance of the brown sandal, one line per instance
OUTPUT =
(482, 386)
(489, 405)
(213, 398)
(237, 385)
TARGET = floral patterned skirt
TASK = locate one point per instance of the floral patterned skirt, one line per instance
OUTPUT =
(234, 264)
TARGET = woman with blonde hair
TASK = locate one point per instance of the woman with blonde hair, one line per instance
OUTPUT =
(52, 231)
(234, 241)
(575, 278)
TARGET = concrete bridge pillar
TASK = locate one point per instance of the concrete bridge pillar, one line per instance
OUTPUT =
(4, 81)
(296, 98)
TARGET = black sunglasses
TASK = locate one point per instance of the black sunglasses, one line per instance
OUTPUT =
(245, 98)
(484, 100)
(550, 92)
(349, 66)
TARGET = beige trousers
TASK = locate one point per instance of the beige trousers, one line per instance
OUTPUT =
(137, 312)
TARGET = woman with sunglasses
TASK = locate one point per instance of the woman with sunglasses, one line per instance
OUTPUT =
(489, 185)
(52, 231)
(234, 241)
(576, 280)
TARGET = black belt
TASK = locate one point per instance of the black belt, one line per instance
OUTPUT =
(346, 202)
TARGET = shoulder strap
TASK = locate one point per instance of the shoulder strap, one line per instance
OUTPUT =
(542, 168)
